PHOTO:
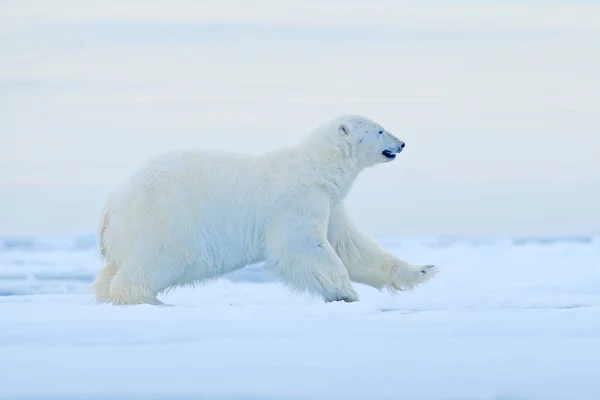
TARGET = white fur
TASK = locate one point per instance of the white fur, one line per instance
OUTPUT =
(189, 216)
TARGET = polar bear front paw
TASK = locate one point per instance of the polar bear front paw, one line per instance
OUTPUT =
(407, 277)
(427, 271)
(345, 295)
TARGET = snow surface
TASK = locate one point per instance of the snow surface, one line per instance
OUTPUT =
(505, 319)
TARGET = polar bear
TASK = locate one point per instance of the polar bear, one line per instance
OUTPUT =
(189, 216)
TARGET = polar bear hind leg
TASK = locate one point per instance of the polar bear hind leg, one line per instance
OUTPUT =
(101, 284)
(110, 287)
(124, 292)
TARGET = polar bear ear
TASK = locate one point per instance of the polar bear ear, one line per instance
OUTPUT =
(344, 129)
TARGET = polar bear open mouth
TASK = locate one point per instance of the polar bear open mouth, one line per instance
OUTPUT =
(389, 154)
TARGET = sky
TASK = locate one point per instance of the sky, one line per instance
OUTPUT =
(497, 102)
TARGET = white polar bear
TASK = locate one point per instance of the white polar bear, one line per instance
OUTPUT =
(189, 216)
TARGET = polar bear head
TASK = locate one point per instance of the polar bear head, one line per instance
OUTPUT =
(367, 140)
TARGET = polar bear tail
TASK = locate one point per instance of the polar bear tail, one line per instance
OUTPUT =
(101, 230)
(101, 284)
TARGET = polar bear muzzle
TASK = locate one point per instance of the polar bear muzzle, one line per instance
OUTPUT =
(391, 153)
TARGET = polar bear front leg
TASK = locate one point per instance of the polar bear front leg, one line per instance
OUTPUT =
(301, 255)
(367, 262)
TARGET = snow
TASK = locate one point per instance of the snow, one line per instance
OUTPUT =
(506, 318)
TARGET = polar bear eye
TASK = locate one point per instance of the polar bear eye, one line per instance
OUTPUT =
(380, 132)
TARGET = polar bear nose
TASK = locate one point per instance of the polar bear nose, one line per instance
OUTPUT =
(402, 145)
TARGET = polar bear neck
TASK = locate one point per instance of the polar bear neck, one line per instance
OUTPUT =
(329, 162)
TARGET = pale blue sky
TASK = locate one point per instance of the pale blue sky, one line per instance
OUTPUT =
(497, 101)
